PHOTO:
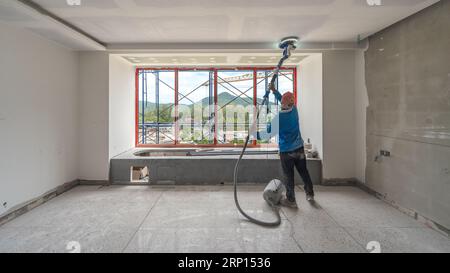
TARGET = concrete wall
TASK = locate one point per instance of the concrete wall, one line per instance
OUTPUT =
(207, 170)
(310, 100)
(408, 84)
(94, 116)
(38, 116)
(339, 114)
(121, 105)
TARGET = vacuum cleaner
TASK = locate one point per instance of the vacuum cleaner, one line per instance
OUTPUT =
(274, 190)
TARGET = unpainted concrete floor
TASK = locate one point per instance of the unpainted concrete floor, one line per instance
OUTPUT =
(204, 219)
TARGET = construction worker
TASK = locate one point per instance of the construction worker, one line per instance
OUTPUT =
(286, 125)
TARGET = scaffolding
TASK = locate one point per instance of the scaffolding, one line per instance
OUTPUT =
(162, 132)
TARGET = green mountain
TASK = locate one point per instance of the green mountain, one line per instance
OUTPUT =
(225, 98)
(165, 109)
(222, 99)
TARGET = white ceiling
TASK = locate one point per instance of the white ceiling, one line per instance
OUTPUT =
(127, 24)
(16, 13)
(197, 21)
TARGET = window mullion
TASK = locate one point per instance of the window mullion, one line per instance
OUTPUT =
(176, 108)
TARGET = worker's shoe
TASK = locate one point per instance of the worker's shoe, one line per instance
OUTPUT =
(310, 198)
(290, 204)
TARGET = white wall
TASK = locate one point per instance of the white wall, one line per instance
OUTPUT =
(94, 116)
(339, 114)
(310, 100)
(361, 104)
(121, 105)
(328, 105)
(338, 102)
(38, 116)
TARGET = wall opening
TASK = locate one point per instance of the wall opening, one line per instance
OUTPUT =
(139, 174)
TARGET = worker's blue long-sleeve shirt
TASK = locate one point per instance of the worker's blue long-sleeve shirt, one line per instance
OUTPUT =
(286, 125)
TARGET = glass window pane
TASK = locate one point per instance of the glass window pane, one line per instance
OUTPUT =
(284, 84)
(196, 117)
(196, 107)
(286, 81)
(156, 103)
(235, 105)
(264, 77)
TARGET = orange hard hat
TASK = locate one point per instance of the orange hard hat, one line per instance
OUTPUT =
(288, 99)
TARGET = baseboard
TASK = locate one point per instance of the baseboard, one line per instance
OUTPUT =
(339, 182)
(94, 182)
(20, 209)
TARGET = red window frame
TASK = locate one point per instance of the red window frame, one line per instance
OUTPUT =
(215, 69)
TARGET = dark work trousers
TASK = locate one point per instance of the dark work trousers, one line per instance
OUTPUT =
(295, 158)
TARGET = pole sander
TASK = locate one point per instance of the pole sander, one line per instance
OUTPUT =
(274, 190)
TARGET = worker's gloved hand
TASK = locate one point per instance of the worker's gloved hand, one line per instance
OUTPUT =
(272, 87)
